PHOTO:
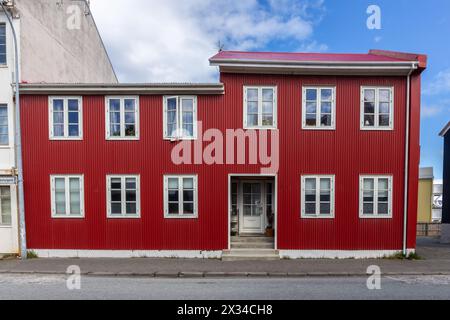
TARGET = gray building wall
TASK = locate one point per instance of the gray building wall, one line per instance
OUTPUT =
(60, 43)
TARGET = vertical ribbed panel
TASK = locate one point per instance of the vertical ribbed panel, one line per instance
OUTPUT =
(346, 153)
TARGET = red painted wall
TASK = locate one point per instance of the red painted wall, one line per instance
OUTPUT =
(346, 153)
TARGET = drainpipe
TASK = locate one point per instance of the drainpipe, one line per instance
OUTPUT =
(407, 142)
(18, 141)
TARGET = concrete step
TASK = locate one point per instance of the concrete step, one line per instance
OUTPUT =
(250, 255)
(252, 245)
(252, 239)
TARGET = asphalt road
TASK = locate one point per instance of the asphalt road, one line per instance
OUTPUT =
(55, 287)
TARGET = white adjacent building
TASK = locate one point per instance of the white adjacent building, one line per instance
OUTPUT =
(58, 43)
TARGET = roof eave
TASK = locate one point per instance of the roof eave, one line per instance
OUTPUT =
(137, 89)
(445, 130)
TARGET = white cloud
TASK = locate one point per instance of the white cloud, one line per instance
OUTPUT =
(440, 84)
(171, 40)
(429, 111)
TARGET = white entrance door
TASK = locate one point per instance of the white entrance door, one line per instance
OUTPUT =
(252, 215)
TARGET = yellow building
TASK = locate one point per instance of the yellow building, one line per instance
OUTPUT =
(425, 204)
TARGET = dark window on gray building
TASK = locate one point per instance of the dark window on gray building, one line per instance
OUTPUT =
(4, 136)
(2, 43)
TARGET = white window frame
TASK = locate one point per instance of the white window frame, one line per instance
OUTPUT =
(66, 117)
(376, 126)
(332, 197)
(122, 118)
(123, 178)
(67, 196)
(375, 215)
(318, 126)
(179, 117)
(180, 199)
(260, 113)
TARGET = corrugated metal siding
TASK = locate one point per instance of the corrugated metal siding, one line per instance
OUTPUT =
(346, 153)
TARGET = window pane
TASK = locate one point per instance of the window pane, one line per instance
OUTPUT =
(310, 119)
(58, 130)
(252, 120)
(326, 94)
(114, 117)
(5, 219)
(325, 184)
(130, 183)
(115, 130)
(368, 208)
(310, 184)
(172, 104)
(130, 117)
(385, 95)
(130, 130)
(383, 208)
(58, 117)
(383, 184)
(116, 183)
(188, 195)
(173, 208)
(131, 196)
(58, 105)
(73, 105)
(267, 94)
(173, 183)
(188, 118)
(173, 195)
(385, 107)
(116, 208)
(310, 208)
(130, 105)
(60, 184)
(74, 130)
(325, 208)
(188, 105)
(326, 107)
(131, 208)
(188, 183)
(188, 130)
(311, 107)
(325, 120)
(188, 208)
(369, 121)
(268, 107)
(267, 120)
(369, 107)
(252, 94)
(311, 94)
(252, 107)
(114, 105)
(369, 95)
(384, 121)
(116, 195)
(369, 184)
(73, 117)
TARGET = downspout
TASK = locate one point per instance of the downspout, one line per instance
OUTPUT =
(407, 142)
(18, 141)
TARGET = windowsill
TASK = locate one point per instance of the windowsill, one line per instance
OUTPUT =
(180, 217)
(122, 139)
(5, 227)
(180, 139)
(6, 147)
(66, 139)
(123, 217)
(376, 129)
(3, 66)
(319, 128)
(260, 128)
(375, 217)
(317, 217)
(68, 217)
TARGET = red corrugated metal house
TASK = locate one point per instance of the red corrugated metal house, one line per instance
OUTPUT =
(290, 155)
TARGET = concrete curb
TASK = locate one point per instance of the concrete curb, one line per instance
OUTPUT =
(215, 274)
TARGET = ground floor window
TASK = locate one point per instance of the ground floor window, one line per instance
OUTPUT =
(317, 197)
(180, 197)
(123, 196)
(5, 206)
(375, 197)
(67, 196)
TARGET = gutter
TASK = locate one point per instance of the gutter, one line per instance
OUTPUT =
(407, 142)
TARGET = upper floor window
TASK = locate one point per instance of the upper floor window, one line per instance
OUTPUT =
(66, 118)
(5, 206)
(180, 117)
(123, 196)
(4, 127)
(67, 196)
(122, 118)
(319, 108)
(180, 197)
(2, 43)
(375, 197)
(377, 108)
(318, 197)
(260, 107)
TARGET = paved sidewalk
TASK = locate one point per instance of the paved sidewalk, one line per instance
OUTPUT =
(436, 261)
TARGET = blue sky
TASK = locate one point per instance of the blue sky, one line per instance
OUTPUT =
(171, 40)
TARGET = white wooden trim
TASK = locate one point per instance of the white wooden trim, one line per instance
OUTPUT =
(303, 214)
(123, 254)
(340, 254)
(123, 197)
(66, 117)
(375, 215)
(66, 178)
(260, 106)
(376, 126)
(319, 110)
(180, 196)
(122, 118)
